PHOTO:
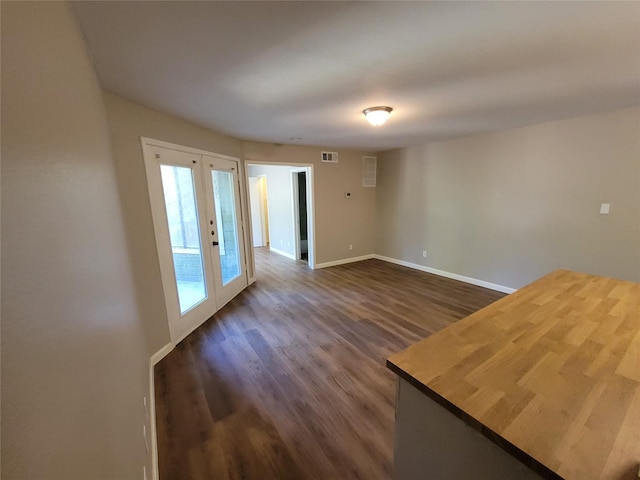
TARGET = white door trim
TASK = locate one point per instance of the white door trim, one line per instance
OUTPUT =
(182, 148)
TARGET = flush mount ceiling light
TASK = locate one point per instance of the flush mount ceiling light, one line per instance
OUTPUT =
(377, 115)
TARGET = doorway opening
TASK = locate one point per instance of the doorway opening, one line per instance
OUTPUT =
(281, 205)
(299, 183)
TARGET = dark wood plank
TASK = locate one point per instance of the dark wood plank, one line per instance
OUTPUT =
(289, 379)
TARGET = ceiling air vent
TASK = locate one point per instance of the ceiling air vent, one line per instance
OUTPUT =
(369, 171)
(330, 157)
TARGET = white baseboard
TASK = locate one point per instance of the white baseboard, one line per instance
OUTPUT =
(284, 254)
(155, 358)
(155, 474)
(454, 276)
(160, 354)
(344, 260)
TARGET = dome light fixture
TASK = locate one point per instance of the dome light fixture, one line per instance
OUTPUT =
(377, 115)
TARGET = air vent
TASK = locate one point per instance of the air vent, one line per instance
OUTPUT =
(330, 157)
(369, 171)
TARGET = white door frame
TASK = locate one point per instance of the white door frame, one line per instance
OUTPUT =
(311, 226)
(179, 330)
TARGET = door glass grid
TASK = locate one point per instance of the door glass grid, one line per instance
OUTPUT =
(184, 231)
(225, 207)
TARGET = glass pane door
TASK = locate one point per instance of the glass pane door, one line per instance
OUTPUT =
(227, 239)
(184, 231)
(195, 203)
(178, 206)
(226, 219)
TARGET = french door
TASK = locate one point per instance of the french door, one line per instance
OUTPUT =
(195, 202)
(227, 239)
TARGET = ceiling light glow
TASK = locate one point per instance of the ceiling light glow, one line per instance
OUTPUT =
(377, 115)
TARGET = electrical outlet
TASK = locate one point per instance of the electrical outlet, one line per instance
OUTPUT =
(350, 247)
(424, 253)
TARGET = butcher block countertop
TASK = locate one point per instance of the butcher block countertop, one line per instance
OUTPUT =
(551, 373)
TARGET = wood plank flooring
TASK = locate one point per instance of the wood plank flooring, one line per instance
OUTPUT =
(288, 381)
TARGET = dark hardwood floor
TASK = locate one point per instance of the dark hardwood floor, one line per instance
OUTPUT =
(288, 381)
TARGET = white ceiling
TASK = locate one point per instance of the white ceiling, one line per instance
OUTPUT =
(273, 71)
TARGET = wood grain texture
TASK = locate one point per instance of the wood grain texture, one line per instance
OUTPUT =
(553, 369)
(288, 381)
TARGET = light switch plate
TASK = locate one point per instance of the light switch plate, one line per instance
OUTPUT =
(604, 208)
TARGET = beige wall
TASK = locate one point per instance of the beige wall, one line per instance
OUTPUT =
(128, 121)
(74, 359)
(338, 221)
(511, 206)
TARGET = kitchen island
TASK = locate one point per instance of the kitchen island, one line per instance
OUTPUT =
(544, 383)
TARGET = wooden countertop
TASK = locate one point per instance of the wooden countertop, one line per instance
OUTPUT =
(551, 373)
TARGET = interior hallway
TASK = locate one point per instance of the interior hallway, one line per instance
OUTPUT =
(289, 379)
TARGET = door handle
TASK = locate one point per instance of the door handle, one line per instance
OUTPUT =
(215, 243)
